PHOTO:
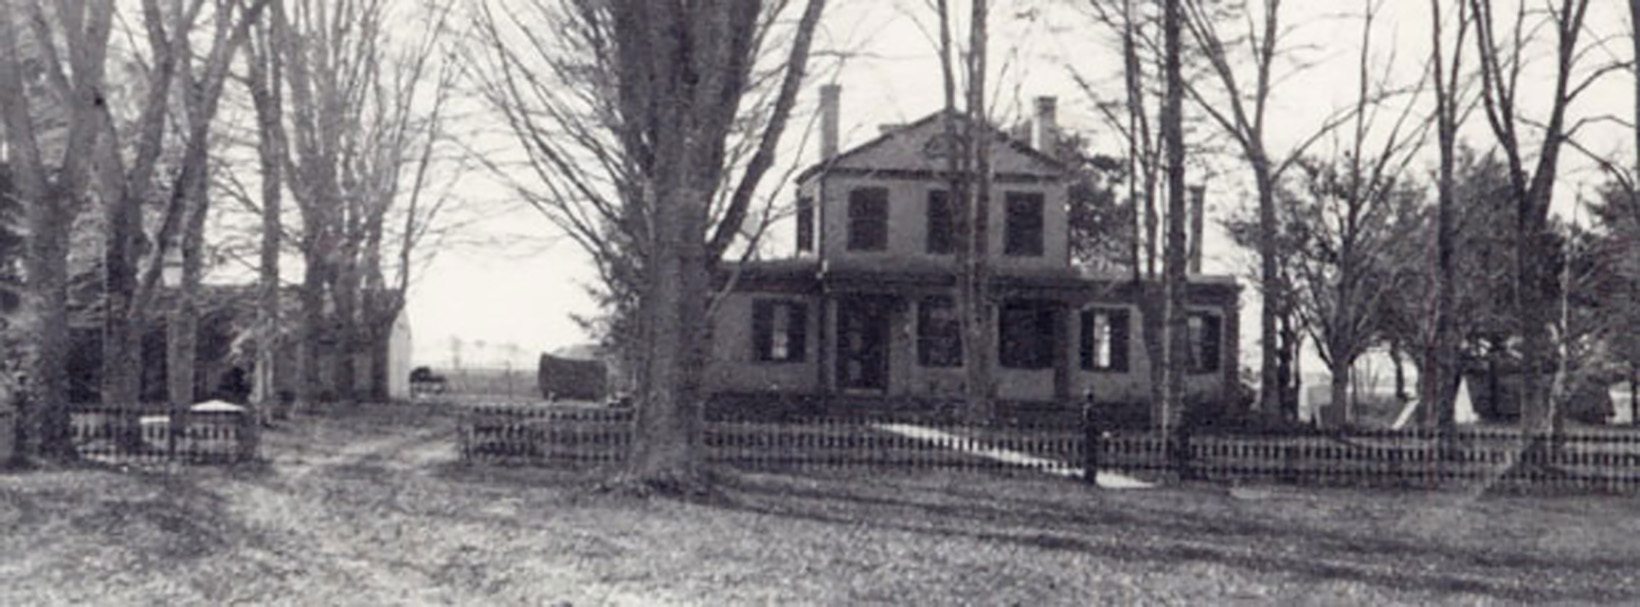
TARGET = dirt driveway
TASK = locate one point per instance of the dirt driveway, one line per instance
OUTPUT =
(368, 507)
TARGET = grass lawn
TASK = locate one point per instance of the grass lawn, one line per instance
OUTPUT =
(368, 507)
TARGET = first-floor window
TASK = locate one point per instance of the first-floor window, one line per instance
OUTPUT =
(1025, 335)
(779, 330)
(1204, 342)
(1105, 339)
(939, 333)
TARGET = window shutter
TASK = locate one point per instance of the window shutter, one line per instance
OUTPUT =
(762, 329)
(1210, 342)
(1023, 235)
(1087, 346)
(939, 223)
(797, 323)
(1119, 327)
(805, 224)
(868, 219)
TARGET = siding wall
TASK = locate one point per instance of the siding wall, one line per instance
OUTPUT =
(734, 366)
(908, 227)
(1134, 384)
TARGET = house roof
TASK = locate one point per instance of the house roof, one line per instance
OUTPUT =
(887, 152)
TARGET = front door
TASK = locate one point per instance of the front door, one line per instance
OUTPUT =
(863, 336)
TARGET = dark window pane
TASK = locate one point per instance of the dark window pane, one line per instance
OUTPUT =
(1024, 228)
(940, 223)
(797, 331)
(1104, 344)
(868, 219)
(779, 331)
(805, 224)
(1025, 335)
(1204, 343)
(763, 330)
(1087, 345)
(1210, 343)
(1119, 331)
(939, 333)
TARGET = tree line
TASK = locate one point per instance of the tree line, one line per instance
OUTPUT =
(650, 133)
(129, 177)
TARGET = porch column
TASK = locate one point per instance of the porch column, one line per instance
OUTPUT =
(1062, 351)
(826, 350)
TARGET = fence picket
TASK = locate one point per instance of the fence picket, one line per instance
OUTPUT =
(1583, 460)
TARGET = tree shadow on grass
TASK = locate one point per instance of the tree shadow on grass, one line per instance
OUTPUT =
(1100, 527)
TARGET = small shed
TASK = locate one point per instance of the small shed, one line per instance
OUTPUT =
(561, 377)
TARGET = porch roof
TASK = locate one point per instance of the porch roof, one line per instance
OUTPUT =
(909, 275)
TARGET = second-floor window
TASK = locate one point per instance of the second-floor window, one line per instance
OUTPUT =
(868, 219)
(939, 333)
(1204, 342)
(941, 223)
(1024, 228)
(805, 223)
(779, 330)
(1105, 339)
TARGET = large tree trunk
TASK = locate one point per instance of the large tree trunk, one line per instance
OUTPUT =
(980, 318)
(1439, 368)
(182, 332)
(344, 294)
(50, 183)
(310, 349)
(45, 414)
(122, 323)
(1152, 312)
(1533, 314)
(1270, 385)
(1174, 278)
(265, 74)
(665, 455)
(1340, 384)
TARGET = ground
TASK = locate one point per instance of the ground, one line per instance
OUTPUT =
(369, 507)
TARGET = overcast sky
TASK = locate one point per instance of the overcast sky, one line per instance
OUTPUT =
(523, 294)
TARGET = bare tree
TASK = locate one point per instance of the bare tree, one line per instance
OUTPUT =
(1174, 281)
(1502, 55)
(11, 290)
(968, 133)
(651, 95)
(1241, 110)
(265, 81)
(1130, 23)
(50, 129)
(364, 119)
(1347, 215)
(1436, 378)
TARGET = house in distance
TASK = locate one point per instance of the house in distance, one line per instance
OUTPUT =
(863, 317)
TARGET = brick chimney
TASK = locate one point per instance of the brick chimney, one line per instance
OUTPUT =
(829, 100)
(1045, 126)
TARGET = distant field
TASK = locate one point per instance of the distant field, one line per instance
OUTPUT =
(502, 383)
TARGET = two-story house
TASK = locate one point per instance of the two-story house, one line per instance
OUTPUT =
(864, 316)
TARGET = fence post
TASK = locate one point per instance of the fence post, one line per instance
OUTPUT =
(249, 435)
